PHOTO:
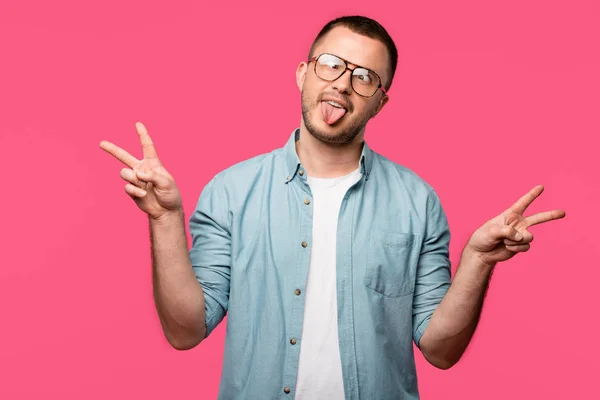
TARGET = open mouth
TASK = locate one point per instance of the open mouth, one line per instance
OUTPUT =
(332, 111)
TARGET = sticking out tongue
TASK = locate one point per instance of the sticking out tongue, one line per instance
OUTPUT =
(330, 113)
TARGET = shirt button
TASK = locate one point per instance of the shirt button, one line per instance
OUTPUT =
(304, 244)
(286, 389)
(297, 291)
(293, 340)
(306, 201)
(301, 172)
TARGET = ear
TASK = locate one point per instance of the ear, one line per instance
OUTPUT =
(301, 75)
(382, 102)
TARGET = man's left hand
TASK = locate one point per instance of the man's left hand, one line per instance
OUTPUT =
(502, 237)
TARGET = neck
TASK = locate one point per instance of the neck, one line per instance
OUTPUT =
(328, 160)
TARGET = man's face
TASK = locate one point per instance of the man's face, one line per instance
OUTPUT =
(325, 121)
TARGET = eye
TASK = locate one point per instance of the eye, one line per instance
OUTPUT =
(363, 76)
(331, 62)
(332, 65)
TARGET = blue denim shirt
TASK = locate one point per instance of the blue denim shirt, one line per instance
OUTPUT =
(251, 240)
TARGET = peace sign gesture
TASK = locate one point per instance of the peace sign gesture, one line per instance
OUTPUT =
(149, 184)
(507, 234)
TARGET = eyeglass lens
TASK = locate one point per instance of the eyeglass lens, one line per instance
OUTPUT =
(364, 82)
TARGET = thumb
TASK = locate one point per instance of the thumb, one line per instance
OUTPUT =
(498, 233)
(158, 180)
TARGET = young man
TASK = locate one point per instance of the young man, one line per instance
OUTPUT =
(329, 259)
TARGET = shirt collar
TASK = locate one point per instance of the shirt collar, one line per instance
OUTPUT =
(294, 166)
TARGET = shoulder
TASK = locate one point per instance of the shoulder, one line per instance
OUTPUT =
(245, 171)
(396, 176)
(237, 180)
(397, 185)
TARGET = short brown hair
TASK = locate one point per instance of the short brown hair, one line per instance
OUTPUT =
(367, 27)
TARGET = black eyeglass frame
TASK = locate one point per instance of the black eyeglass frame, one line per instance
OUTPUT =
(347, 68)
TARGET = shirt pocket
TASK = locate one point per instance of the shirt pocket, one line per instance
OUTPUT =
(391, 263)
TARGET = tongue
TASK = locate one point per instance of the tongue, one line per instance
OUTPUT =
(330, 113)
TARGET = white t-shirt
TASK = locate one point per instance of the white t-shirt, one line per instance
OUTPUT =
(320, 368)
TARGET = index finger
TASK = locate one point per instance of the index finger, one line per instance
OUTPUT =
(147, 146)
(544, 217)
(521, 205)
(119, 153)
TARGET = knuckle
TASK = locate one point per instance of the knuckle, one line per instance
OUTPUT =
(493, 230)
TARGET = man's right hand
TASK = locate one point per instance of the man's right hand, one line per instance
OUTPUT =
(148, 183)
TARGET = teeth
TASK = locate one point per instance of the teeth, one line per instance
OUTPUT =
(333, 103)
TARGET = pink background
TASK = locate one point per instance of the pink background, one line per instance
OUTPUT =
(489, 100)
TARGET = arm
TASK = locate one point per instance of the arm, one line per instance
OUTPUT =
(187, 310)
(178, 296)
(192, 289)
(454, 321)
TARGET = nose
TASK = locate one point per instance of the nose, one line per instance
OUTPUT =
(343, 84)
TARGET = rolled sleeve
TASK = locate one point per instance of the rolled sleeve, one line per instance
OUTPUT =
(433, 275)
(210, 252)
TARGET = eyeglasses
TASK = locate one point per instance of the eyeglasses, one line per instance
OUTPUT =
(364, 81)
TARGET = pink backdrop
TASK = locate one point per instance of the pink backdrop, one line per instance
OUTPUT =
(489, 100)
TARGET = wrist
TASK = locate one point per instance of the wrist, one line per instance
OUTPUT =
(477, 260)
(168, 217)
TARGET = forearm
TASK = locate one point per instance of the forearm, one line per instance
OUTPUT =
(454, 321)
(178, 296)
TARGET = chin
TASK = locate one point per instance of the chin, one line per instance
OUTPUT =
(338, 133)
(343, 131)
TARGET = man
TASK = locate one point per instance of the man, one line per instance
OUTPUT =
(329, 259)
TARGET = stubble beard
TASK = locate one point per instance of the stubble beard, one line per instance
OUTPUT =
(346, 135)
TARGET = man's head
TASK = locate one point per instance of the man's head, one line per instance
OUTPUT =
(364, 47)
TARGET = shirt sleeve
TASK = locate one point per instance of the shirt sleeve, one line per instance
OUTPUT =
(210, 252)
(433, 275)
